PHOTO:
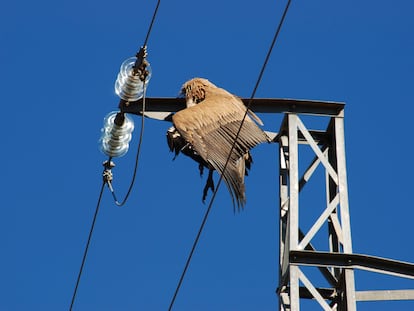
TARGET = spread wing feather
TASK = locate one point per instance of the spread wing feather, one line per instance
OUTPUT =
(211, 127)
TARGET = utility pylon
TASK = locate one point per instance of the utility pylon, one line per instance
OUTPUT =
(328, 148)
(336, 263)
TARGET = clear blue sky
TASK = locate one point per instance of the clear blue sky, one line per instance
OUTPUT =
(59, 61)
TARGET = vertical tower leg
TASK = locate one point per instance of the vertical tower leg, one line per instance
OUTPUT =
(293, 213)
(284, 298)
(339, 143)
(294, 285)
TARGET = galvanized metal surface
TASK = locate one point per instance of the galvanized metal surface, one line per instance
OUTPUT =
(296, 250)
(295, 247)
(382, 295)
(293, 131)
(293, 212)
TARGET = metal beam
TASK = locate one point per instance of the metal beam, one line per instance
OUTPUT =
(343, 260)
(369, 295)
(381, 295)
(261, 105)
(293, 212)
(315, 293)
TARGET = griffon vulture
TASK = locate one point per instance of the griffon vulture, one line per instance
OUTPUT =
(206, 130)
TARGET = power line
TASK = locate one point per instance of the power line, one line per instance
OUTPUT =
(141, 55)
(228, 158)
(85, 253)
(279, 27)
(152, 23)
(107, 175)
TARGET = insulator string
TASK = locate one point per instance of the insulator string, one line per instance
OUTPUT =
(141, 136)
(107, 181)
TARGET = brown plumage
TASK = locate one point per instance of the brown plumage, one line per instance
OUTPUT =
(206, 130)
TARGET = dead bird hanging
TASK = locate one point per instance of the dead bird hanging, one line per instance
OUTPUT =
(205, 131)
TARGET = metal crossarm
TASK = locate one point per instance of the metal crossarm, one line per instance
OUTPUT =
(260, 105)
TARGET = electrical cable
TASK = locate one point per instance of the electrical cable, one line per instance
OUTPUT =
(139, 62)
(108, 177)
(152, 23)
(87, 246)
(143, 50)
(228, 158)
(107, 180)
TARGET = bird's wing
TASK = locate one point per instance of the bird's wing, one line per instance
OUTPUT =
(211, 127)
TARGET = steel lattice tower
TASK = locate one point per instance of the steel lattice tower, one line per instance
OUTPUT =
(328, 148)
(336, 264)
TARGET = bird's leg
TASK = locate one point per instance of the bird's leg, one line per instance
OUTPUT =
(209, 184)
(201, 169)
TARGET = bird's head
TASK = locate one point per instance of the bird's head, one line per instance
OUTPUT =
(195, 90)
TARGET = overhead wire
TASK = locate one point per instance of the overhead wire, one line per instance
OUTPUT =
(151, 23)
(131, 185)
(106, 180)
(85, 253)
(193, 248)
